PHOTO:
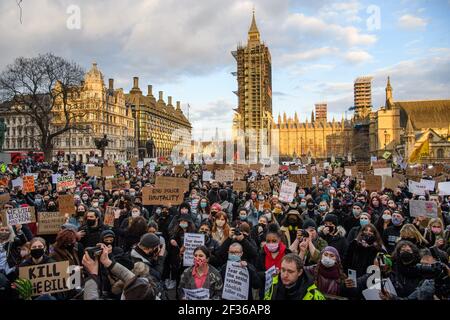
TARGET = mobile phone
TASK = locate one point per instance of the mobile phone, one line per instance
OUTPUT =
(352, 276)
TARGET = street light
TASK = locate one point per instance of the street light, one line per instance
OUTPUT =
(385, 139)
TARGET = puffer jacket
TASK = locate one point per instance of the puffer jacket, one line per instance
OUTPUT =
(337, 241)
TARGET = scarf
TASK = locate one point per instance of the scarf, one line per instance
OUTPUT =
(328, 279)
(270, 261)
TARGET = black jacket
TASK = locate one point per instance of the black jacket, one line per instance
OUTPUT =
(337, 241)
(390, 237)
(359, 257)
(92, 236)
(250, 250)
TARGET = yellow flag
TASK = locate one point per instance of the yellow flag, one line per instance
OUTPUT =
(421, 152)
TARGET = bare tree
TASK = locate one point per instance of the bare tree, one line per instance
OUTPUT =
(47, 89)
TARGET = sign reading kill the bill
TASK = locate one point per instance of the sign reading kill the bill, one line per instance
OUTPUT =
(160, 195)
(47, 278)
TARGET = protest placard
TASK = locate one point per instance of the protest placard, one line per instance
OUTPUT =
(236, 282)
(423, 208)
(178, 169)
(379, 164)
(4, 182)
(362, 166)
(287, 191)
(66, 204)
(116, 183)
(224, 175)
(348, 172)
(390, 183)
(400, 177)
(110, 216)
(133, 162)
(302, 180)
(4, 198)
(65, 182)
(417, 188)
(55, 178)
(373, 183)
(94, 171)
(262, 185)
(22, 215)
(191, 241)
(382, 172)
(444, 188)
(47, 278)
(240, 186)
(152, 166)
(17, 182)
(196, 294)
(269, 274)
(140, 164)
(49, 222)
(109, 171)
(162, 195)
(338, 170)
(207, 176)
(430, 184)
(172, 182)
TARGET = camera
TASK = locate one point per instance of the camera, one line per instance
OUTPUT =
(94, 252)
(237, 231)
(302, 233)
(434, 269)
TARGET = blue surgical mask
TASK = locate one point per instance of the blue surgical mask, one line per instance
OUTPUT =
(243, 218)
(396, 221)
(38, 201)
(323, 208)
(356, 213)
(234, 257)
(203, 205)
(183, 225)
(302, 204)
(363, 222)
(301, 195)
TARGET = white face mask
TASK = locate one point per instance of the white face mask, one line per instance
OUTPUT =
(327, 262)
(135, 214)
(220, 223)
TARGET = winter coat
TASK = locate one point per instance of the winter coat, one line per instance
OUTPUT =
(337, 241)
(213, 282)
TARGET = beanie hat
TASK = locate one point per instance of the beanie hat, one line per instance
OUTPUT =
(309, 223)
(331, 218)
(138, 289)
(107, 233)
(69, 226)
(333, 251)
(358, 204)
(149, 240)
(185, 217)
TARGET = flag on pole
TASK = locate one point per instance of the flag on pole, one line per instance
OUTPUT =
(421, 152)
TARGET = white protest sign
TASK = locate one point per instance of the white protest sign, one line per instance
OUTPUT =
(152, 166)
(372, 159)
(287, 191)
(444, 188)
(430, 184)
(140, 164)
(382, 172)
(302, 171)
(207, 176)
(423, 208)
(348, 172)
(55, 178)
(191, 241)
(17, 182)
(19, 216)
(268, 278)
(373, 292)
(196, 294)
(417, 188)
(236, 283)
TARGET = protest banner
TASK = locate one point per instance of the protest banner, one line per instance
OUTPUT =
(17, 183)
(94, 171)
(240, 186)
(382, 172)
(47, 278)
(65, 182)
(172, 182)
(110, 216)
(55, 178)
(373, 183)
(191, 241)
(390, 183)
(109, 171)
(400, 177)
(49, 222)
(287, 191)
(22, 215)
(262, 185)
(140, 164)
(417, 188)
(269, 274)
(236, 282)
(444, 188)
(302, 180)
(378, 164)
(66, 203)
(419, 208)
(4, 182)
(196, 294)
(207, 176)
(162, 196)
(430, 184)
(224, 175)
(4, 198)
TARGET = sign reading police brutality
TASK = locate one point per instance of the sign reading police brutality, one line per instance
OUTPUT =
(160, 195)
(19, 216)
(47, 278)
(49, 222)
(287, 191)
(236, 282)
(423, 208)
(191, 241)
(65, 182)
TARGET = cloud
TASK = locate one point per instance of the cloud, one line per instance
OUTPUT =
(205, 118)
(309, 55)
(279, 94)
(410, 22)
(358, 57)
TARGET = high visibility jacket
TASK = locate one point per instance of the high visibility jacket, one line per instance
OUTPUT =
(312, 293)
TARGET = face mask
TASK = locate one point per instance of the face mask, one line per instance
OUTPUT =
(323, 208)
(4, 235)
(37, 253)
(292, 220)
(301, 195)
(356, 213)
(77, 201)
(436, 230)
(327, 262)
(183, 225)
(363, 222)
(243, 218)
(302, 204)
(261, 198)
(272, 247)
(132, 194)
(80, 213)
(199, 262)
(135, 214)
(38, 202)
(203, 205)
(90, 223)
(85, 199)
(369, 239)
(386, 217)
(95, 204)
(234, 257)
(406, 257)
(396, 221)
(220, 223)
(101, 200)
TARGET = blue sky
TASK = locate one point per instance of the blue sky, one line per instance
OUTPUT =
(183, 48)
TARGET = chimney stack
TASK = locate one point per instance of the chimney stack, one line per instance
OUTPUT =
(111, 84)
(136, 82)
(178, 105)
(169, 100)
(150, 90)
(161, 93)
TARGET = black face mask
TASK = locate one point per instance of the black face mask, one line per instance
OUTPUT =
(407, 258)
(331, 229)
(369, 239)
(37, 253)
(90, 223)
(292, 221)
(310, 207)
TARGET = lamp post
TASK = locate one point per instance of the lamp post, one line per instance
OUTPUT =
(385, 139)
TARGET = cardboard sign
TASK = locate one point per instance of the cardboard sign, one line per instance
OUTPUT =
(362, 166)
(196, 294)
(423, 208)
(17, 183)
(116, 183)
(417, 188)
(66, 204)
(207, 176)
(444, 188)
(255, 166)
(109, 216)
(179, 169)
(400, 177)
(133, 162)
(262, 185)
(348, 172)
(382, 172)
(224, 175)
(413, 172)
(379, 164)
(94, 171)
(162, 196)
(236, 282)
(4, 182)
(373, 183)
(47, 278)
(172, 182)
(65, 182)
(390, 183)
(109, 171)
(191, 242)
(271, 170)
(430, 184)
(4, 198)
(49, 222)
(287, 191)
(19, 216)
(302, 180)
(240, 186)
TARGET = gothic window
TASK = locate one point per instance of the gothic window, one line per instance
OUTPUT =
(440, 153)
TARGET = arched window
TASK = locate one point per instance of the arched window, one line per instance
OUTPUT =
(440, 153)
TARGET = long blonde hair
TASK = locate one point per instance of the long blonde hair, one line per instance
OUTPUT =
(410, 231)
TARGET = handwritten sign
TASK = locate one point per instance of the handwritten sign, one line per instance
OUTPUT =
(94, 171)
(236, 282)
(196, 294)
(47, 278)
(133, 162)
(390, 182)
(162, 195)
(287, 191)
(262, 185)
(116, 183)
(207, 176)
(178, 169)
(55, 178)
(302, 180)
(444, 188)
(373, 183)
(109, 171)
(423, 208)
(382, 172)
(379, 164)
(19, 216)
(224, 175)
(65, 182)
(171, 182)
(191, 242)
(66, 203)
(49, 222)
(4, 198)
(417, 188)
(109, 216)
(17, 183)
(430, 184)
(269, 274)
(240, 186)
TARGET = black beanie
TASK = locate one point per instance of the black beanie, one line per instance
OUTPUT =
(331, 218)
(149, 240)
(309, 223)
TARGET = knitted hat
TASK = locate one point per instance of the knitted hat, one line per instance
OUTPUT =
(149, 240)
(309, 223)
(333, 251)
(358, 204)
(107, 233)
(331, 218)
(138, 289)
